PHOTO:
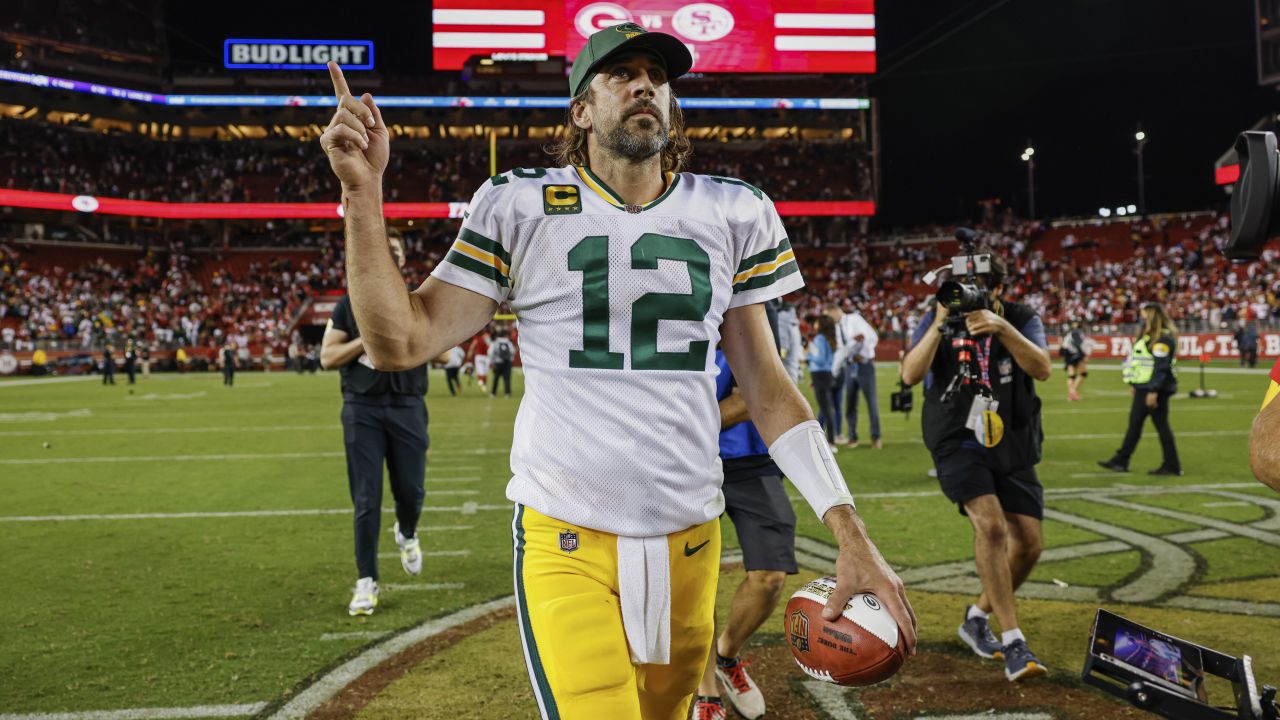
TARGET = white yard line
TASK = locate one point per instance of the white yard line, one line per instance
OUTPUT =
(199, 711)
(47, 381)
(362, 635)
(331, 684)
(420, 587)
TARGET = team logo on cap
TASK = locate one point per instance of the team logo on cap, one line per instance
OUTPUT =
(629, 29)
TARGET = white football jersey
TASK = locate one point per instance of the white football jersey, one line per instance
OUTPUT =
(619, 310)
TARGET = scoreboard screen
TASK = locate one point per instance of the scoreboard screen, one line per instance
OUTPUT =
(748, 36)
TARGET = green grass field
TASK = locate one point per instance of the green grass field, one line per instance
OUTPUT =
(188, 544)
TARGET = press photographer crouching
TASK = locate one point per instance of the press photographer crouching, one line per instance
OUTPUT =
(979, 356)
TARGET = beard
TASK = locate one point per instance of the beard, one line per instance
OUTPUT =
(636, 146)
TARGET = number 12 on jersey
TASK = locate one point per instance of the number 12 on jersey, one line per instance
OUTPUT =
(591, 258)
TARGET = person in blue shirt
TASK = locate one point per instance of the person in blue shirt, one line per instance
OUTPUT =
(822, 351)
(756, 501)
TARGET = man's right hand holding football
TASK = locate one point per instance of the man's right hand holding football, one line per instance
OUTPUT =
(356, 141)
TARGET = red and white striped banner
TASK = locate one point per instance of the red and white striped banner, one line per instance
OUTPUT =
(836, 36)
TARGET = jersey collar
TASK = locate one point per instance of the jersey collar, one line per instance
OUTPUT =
(611, 197)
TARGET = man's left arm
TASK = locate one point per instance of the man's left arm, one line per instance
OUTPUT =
(1026, 344)
(797, 444)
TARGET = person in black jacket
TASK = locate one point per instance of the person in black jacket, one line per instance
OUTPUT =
(1153, 380)
(985, 441)
(384, 420)
(108, 365)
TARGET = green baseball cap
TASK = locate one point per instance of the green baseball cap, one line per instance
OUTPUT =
(609, 42)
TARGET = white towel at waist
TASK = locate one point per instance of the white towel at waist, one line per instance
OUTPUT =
(644, 584)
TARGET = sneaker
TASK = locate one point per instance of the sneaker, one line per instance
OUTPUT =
(365, 597)
(877, 445)
(1019, 663)
(1114, 464)
(1165, 471)
(976, 633)
(410, 552)
(740, 689)
(708, 708)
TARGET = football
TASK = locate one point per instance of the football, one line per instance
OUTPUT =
(861, 647)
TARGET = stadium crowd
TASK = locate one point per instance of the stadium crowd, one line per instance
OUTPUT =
(73, 159)
(171, 296)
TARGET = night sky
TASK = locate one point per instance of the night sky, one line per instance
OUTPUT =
(1075, 76)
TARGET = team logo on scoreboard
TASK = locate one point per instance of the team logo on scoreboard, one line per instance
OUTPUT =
(598, 16)
(561, 200)
(568, 541)
(798, 630)
(702, 22)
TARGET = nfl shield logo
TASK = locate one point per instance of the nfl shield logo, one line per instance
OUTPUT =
(568, 541)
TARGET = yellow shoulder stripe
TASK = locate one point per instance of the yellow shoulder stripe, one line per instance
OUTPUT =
(765, 268)
(487, 258)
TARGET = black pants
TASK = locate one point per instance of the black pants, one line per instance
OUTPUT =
(109, 374)
(395, 431)
(1249, 356)
(823, 390)
(501, 370)
(451, 375)
(132, 369)
(1160, 417)
(228, 375)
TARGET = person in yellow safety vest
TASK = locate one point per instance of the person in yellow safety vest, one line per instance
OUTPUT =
(1264, 441)
(1150, 373)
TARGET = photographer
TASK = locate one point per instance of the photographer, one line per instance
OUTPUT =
(981, 423)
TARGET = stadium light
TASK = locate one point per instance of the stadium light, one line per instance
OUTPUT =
(1140, 144)
(1104, 212)
(1133, 209)
(1121, 210)
(1028, 157)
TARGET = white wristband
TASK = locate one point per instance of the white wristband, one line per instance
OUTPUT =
(803, 455)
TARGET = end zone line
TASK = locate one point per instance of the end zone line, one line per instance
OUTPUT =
(305, 702)
(199, 711)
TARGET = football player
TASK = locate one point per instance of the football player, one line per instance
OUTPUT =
(624, 273)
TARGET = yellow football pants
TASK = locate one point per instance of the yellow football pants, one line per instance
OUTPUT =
(571, 621)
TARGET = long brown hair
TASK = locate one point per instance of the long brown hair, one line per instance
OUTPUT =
(827, 329)
(1156, 322)
(571, 147)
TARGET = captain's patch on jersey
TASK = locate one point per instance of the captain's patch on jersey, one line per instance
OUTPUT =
(561, 200)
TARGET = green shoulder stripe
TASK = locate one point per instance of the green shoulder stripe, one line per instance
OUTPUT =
(759, 281)
(489, 273)
(485, 244)
(767, 256)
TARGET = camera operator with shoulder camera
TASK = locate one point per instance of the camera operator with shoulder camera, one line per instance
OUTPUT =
(979, 357)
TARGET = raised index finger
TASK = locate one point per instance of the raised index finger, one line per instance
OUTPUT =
(339, 82)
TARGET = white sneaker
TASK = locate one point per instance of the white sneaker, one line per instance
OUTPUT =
(365, 597)
(410, 552)
(740, 690)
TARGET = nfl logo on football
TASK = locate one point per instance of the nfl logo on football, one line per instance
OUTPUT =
(799, 631)
(568, 541)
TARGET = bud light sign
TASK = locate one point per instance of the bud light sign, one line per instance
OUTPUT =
(240, 54)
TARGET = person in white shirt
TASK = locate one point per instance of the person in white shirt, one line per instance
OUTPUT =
(451, 368)
(858, 358)
(789, 339)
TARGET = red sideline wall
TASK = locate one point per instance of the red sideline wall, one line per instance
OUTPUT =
(1218, 346)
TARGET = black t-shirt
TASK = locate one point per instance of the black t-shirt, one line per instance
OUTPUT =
(360, 379)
